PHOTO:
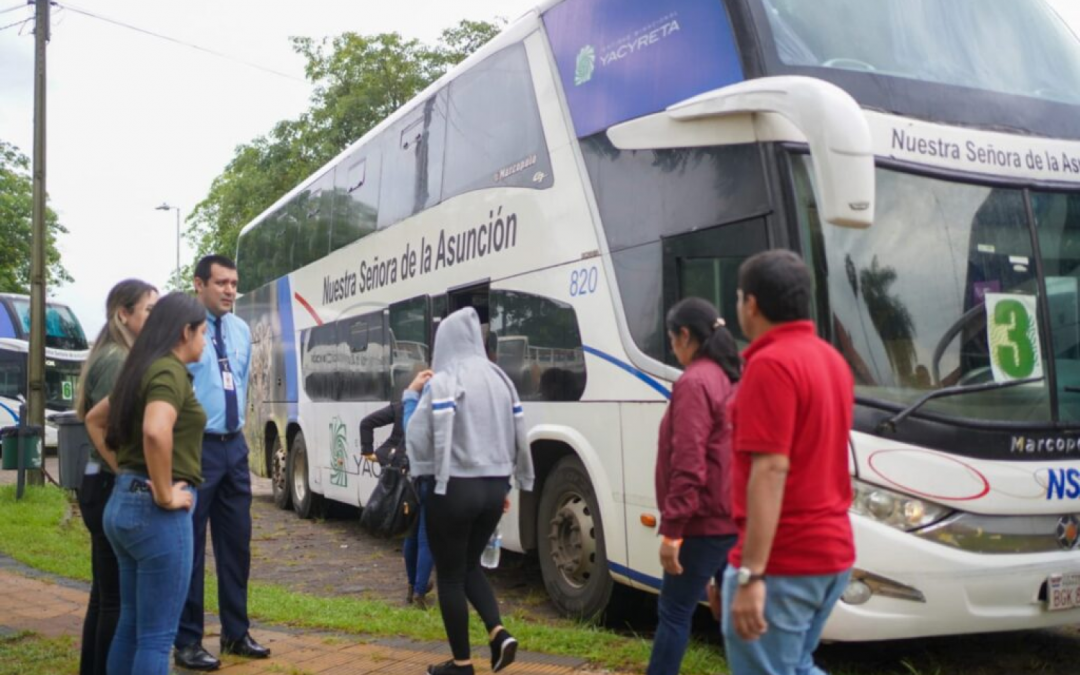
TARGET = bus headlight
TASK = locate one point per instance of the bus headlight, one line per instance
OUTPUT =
(894, 509)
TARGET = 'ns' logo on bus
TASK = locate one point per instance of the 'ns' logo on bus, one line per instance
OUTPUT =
(586, 64)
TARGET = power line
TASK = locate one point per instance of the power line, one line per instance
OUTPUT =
(12, 9)
(180, 42)
(17, 23)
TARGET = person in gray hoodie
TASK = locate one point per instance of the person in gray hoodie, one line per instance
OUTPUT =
(468, 433)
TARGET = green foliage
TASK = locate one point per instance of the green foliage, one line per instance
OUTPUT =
(359, 80)
(16, 215)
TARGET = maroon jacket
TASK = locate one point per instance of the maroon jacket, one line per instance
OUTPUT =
(693, 462)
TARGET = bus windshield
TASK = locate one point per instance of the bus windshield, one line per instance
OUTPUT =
(945, 290)
(1018, 47)
(62, 329)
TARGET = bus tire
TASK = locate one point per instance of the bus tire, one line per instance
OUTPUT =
(570, 542)
(306, 503)
(279, 474)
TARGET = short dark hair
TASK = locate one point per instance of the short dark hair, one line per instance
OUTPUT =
(202, 268)
(780, 282)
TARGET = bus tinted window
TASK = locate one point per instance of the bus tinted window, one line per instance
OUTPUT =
(347, 360)
(409, 327)
(494, 136)
(12, 374)
(312, 211)
(539, 346)
(62, 329)
(356, 197)
(413, 162)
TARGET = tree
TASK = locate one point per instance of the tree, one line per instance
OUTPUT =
(359, 81)
(16, 214)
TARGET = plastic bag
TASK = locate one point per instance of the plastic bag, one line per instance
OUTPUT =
(393, 504)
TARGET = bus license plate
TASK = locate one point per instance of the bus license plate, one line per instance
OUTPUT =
(1062, 591)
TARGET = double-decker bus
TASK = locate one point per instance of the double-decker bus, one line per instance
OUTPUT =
(601, 159)
(65, 351)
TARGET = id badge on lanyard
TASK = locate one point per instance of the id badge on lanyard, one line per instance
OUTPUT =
(227, 380)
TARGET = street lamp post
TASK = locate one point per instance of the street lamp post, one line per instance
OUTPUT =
(165, 207)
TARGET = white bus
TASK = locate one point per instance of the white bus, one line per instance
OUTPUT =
(65, 351)
(601, 159)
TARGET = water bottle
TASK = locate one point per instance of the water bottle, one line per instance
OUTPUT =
(490, 557)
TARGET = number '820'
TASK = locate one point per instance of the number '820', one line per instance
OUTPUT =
(584, 281)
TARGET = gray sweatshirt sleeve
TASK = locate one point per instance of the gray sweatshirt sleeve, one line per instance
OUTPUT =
(419, 439)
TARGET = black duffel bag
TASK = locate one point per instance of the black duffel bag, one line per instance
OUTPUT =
(393, 505)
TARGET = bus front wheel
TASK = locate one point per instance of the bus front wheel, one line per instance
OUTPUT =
(306, 503)
(279, 474)
(571, 542)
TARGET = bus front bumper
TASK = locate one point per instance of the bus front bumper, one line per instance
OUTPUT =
(961, 592)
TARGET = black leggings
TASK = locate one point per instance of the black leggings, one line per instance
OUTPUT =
(103, 612)
(459, 525)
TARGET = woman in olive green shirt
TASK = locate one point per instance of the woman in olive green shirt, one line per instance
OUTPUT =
(154, 422)
(126, 308)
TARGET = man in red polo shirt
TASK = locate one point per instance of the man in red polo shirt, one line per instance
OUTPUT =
(791, 487)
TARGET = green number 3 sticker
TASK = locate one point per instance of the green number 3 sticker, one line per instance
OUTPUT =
(1013, 339)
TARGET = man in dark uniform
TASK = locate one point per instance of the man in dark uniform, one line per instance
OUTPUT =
(224, 498)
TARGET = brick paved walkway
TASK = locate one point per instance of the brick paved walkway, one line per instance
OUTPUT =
(51, 606)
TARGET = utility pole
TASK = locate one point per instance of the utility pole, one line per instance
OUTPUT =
(36, 357)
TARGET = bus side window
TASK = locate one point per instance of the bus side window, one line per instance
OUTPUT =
(413, 162)
(356, 197)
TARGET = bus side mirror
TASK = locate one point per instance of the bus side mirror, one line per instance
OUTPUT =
(772, 109)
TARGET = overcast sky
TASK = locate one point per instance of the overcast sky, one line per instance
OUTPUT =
(134, 120)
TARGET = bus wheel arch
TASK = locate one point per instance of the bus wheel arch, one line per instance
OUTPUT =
(568, 531)
(305, 502)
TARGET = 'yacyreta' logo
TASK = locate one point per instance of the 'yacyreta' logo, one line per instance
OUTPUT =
(586, 64)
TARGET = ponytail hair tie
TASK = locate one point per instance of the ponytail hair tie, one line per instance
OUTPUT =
(719, 323)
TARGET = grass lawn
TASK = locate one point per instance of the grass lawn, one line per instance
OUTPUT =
(30, 654)
(44, 531)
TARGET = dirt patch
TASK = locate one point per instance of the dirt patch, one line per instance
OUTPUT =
(334, 556)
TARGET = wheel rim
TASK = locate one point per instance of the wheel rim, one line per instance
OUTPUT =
(572, 534)
(278, 469)
(300, 476)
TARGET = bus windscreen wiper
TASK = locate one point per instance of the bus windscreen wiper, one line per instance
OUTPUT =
(889, 426)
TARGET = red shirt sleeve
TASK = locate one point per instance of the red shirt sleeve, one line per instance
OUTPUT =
(691, 425)
(767, 408)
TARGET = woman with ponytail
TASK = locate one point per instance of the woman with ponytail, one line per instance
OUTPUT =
(154, 423)
(692, 473)
(126, 309)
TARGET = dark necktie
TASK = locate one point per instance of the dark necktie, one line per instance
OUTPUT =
(232, 415)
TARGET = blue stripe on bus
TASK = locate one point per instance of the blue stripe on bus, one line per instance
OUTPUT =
(630, 369)
(634, 575)
(9, 410)
(288, 337)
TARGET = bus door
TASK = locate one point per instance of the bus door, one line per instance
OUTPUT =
(703, 263)
(476, 296)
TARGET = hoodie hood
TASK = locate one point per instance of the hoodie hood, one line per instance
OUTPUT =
(458, 338)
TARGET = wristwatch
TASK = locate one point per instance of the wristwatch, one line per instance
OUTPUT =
(745, 577)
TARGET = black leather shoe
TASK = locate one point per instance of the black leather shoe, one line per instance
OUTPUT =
(194, 657)
(245, 646)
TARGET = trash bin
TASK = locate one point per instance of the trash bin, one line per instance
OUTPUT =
(72, 448)
(30, 437)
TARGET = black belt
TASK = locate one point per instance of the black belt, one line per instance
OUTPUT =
(221, 438)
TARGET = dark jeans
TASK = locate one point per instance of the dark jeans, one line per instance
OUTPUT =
(459, 525)
(224, 501)
(153, 547)
(417, 552)
(701, 558)
(103, 612)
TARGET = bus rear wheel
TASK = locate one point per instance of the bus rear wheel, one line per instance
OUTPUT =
(306, 503)
(279, 474)
(571, 542)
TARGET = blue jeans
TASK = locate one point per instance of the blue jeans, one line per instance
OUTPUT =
(418, 562)
(796, 609)
(154, 549)
(701, 558)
